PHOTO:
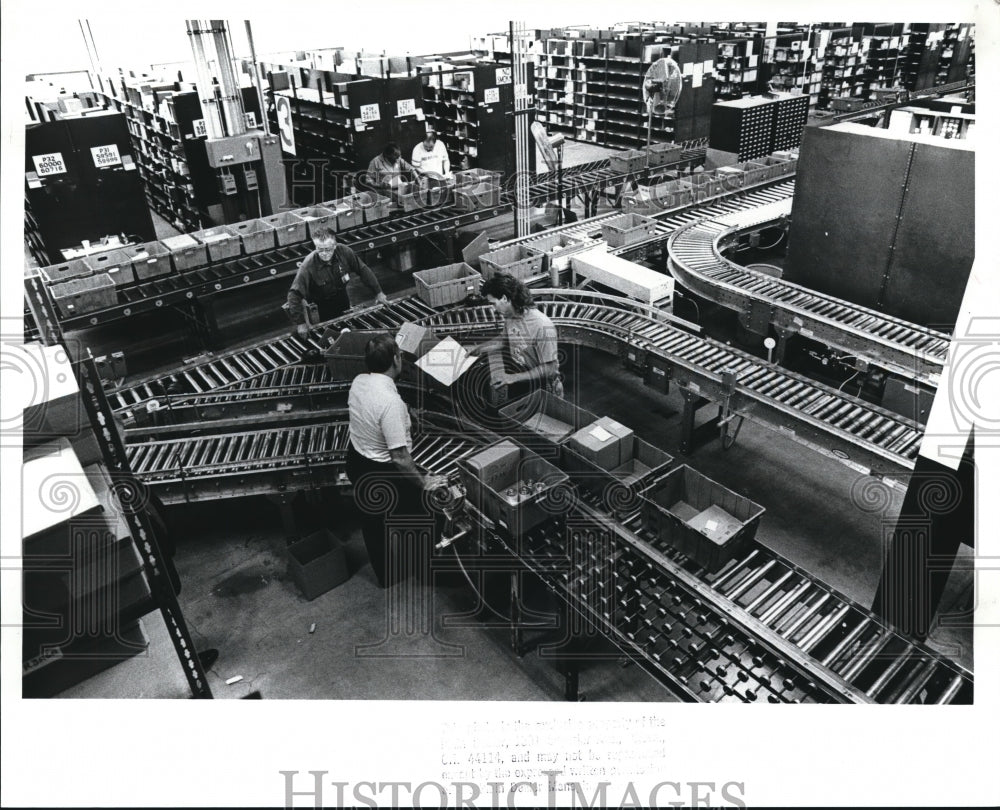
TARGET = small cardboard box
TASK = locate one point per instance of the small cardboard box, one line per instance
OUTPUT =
(496, 463)
(597, 445)
(716, 524)
(416, 340)
(317, 563)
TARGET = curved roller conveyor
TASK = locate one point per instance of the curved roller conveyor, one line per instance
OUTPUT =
(912, 351)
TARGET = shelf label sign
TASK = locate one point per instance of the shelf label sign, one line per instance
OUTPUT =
(491, 95)
(250, 119)
(370, 112)
(49, 164)
(503, 75)
(405, 106)
(520, 91)
(283, 109)
(106, 155)
(200, 130)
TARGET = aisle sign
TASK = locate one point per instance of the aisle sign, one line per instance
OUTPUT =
(106, 155)
(283, 109)
(491, 95)
(520, 91)
(49, 164)
(250, 119)
(406, 106)
(200, 130)
(503, 75)
(369, 112)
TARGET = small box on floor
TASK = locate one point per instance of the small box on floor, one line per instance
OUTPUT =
(317, 563)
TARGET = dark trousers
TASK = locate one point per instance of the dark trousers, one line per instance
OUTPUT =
(384, 495)
(334, 306)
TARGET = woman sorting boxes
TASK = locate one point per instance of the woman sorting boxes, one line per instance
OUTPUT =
(529, 343)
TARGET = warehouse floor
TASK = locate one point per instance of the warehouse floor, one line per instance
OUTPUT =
(238, 598)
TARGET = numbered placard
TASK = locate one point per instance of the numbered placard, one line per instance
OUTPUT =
(503, 75)
(405, 106)
(520, 91)
(370, 112)
(105, 156)
(491, 95)
(200, 129)
(49, 164)
(283, 109)
(251, 119)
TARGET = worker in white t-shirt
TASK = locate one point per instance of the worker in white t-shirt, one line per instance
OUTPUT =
(379, 464)
(430, 158)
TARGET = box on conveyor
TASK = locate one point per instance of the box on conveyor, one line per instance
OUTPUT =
(605, 442)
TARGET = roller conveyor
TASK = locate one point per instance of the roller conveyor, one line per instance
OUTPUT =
(800, 408)
(761, 630)
(269, 460)
(257, 361)
(912, 351)
(194, 285)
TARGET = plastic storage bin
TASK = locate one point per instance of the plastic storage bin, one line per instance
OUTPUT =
(517, 260)
(150, 260)
(702, 185)
(85, 294)
(186, 252)
(445, 285)
(701, 518)
(646, 462)
(627, 229)
(257, 235)
(317, 563)
(315, 216)
(513, 486)
(346, 357)
(661, 154)
(76, 268)
(346, 214)
(374, 206)
(116, 263)
(222, 243)
(547, 417)
(476, 189)
(288, 227)
(628, 160)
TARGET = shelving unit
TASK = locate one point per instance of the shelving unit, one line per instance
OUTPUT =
(469, 106)
(341, 121)
(82, 185)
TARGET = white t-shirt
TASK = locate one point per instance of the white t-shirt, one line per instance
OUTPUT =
(436, 161)
(379, 419)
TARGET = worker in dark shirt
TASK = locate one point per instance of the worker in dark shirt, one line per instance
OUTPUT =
(322, 280)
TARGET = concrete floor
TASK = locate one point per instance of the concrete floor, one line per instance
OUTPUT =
(237, 595)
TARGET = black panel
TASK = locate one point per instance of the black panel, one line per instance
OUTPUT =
(935, 244)
(848, 190)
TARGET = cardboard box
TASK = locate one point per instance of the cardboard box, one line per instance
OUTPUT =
(496, 463)
(416, 340)
(317, 563)
(605, 442)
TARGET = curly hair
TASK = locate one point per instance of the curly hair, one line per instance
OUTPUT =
(502, 284)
